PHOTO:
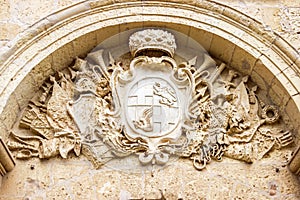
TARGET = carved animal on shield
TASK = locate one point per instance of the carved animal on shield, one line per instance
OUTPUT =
(167, 95)
(217, 117)
(145, 121)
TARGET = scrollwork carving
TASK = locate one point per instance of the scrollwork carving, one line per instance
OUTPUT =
(153, 109)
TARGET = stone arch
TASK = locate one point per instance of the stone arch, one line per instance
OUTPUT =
(227, 34)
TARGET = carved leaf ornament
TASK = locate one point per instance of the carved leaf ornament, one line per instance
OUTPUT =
(155, 108)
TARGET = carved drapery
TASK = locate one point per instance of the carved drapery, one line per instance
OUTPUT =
(152, 106)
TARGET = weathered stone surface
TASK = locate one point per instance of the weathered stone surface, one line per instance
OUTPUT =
(76, 178)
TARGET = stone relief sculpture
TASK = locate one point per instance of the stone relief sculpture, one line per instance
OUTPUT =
(154, 108)
(49, 117)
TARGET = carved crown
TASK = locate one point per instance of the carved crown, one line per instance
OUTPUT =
(151, 39)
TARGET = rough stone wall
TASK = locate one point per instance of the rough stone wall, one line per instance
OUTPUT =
(278, 16)
(76, 179)
(281, 16)
(17, 15)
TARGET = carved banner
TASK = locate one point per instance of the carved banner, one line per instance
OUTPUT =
(153, 108)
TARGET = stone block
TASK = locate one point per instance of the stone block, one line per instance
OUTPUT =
(279, 61)
(64, 56)
(287, 49)
(5, 10)
(9, 30)
(242, 60)
(266, 69)
(270, 17)
(171, 186)
(297, 63)
(25, 91)
(293, 75)
(28, 13)
(3, 131)
(276, 99)
(192, 187)
(258, 79)
(283, 86)
(64, 3)
(42, 71)
(13, 183)
(244, 191)
(82, 189)
(7, 77)
(10, 112)
(292, 109)
(221, 49)
(107, 184)
(202, 37)
(95, 4)
(84, 44)
(153, 186)
(132, 184)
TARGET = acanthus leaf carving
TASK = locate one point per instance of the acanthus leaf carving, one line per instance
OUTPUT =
(154, 109)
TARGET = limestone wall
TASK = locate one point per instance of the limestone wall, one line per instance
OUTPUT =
(77, 178)
(17, 16)
(281, 16)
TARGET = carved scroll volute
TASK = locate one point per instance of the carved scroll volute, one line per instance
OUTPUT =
(154, 104)
(153, 108)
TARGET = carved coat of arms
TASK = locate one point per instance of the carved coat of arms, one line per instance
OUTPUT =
(152, 107)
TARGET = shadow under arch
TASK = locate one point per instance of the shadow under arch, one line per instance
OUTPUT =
(227, 34)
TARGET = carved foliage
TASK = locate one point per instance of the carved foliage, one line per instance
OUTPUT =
(155, 108)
